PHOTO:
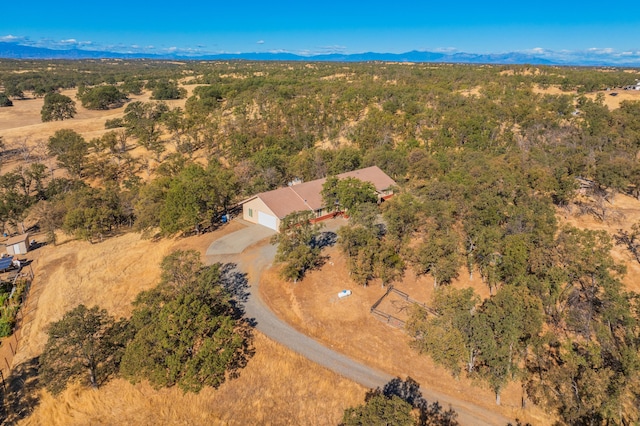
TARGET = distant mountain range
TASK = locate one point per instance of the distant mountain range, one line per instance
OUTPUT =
(11, 50)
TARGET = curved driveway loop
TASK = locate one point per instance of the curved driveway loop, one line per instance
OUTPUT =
(224, 249)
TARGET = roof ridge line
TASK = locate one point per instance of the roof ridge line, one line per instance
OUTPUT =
(299, 196)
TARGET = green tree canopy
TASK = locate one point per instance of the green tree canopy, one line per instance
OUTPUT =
(11, 89)
(438, 255)
(361, 246)
(85, 344)
(205, 99)
(186, 332)
(506, 324)
(401, 217)
(399, 402)
(447, 338)
(297, 245)
(491, 339)
(166, 89)
(143, 120)
(5, 101)
(380, 411)
(70, 150)
(57, 107)
(132, 86)
(195, 197)
(17, 192)
(346, 194)
(93, 213)
(102, 97)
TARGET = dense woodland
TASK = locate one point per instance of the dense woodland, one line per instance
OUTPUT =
(483, 161)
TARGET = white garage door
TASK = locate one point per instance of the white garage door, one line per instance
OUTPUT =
(267, 220)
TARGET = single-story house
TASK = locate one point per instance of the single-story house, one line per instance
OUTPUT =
(269, 208)
(18, 244)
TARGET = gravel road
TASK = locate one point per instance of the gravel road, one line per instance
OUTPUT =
(227, 249)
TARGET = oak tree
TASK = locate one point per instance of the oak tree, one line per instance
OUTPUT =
(185, 330)
(86, 344)
(102, 97)
(297, 245)
(348, 193)
(5, 101)
(165, 90)
(57, 107)
(379, 410)
(70, 150)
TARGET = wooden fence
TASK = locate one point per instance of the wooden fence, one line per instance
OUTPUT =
(390, 319)
(406, 297)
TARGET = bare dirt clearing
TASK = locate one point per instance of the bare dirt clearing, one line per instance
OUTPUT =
(551, 90)
(109, 274)
(613, 98)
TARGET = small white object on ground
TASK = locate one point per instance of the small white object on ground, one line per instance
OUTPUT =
(344, 293)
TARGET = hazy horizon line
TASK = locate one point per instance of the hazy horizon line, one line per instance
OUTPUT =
(88, 45)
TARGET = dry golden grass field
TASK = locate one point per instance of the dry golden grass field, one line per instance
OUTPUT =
(277, 386)
(21, 122)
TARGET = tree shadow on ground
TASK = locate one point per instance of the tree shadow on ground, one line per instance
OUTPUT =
(237, 284)
(325, 239)
(20, 394)
(409, 391)
(234, 281)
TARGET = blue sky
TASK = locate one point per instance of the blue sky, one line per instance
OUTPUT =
(327, 26)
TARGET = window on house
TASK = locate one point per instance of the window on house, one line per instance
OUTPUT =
(250, 212)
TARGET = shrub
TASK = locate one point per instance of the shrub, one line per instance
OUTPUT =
(114, 123)
(4, 100)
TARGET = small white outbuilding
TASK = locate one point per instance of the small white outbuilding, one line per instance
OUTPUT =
(17, 245)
